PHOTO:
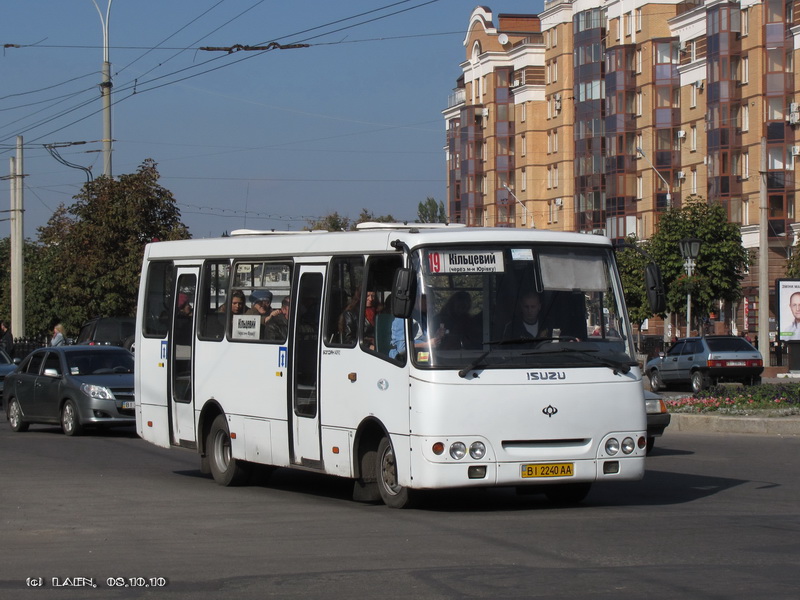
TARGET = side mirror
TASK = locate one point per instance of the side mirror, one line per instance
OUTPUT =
(51, 373)
(654, 286)
(403, 292)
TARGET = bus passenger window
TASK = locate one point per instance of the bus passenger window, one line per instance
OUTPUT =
(377, 318)
(344, 293)
(213, 288)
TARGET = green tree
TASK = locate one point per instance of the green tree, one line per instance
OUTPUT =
(337, 222)
(631, 266)
(431, 211)
(719, 267)
(92, 250)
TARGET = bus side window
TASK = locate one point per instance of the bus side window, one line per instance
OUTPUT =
(158, 297)
(376, 315)
(213, 287)
(344, 284)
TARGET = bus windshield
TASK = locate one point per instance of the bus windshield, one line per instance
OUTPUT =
(518, 306)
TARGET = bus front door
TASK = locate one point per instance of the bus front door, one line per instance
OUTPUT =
(181, 352)
(305, 344)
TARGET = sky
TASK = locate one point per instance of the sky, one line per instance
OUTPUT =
(248, 139)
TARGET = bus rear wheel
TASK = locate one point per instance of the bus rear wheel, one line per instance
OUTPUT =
(392, 493)
(226, 470)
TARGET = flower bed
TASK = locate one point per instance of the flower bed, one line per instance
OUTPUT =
(769, 399)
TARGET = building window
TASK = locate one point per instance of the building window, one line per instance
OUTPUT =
(523, 179)
(639, 187)
(627, 17)
(746, 165)
(554, 36)
(745, 117)
(523, 141)
(555, 176)
(549, 142)
(693, 96)
(555, 140)
(639, 60)
(619, 27)
(555, 70)
(549, 178)
(745, 70)
(638, 19)
(745, 22)
(639, 100)
(693, 138)
(694, 181)
(523, 112)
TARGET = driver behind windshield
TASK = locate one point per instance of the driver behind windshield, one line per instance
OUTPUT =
(526, 322)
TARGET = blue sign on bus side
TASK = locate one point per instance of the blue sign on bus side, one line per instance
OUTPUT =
(282, 356)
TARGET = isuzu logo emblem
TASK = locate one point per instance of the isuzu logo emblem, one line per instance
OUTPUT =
(550, 410)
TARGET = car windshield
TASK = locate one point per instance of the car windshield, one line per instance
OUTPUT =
(518, 306)
(99, 363)
(731, 344)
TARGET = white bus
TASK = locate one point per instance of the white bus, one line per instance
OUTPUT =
(409, 358)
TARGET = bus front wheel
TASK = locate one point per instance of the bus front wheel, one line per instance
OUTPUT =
(226, 470)
(392, 493)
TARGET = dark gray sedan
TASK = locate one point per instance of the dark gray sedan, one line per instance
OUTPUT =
(74, 386)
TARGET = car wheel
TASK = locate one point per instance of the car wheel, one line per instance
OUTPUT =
(15, 419)
(567, 493)
(392, 493)
(699, 382)
(656, 383)
(227, 471)
(70, 421)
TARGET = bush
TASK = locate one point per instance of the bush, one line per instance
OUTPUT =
(774, 399)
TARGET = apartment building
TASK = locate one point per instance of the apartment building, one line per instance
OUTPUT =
(596, 116)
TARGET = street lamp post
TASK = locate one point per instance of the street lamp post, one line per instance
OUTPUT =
(652, 166)
(105, 91)
(690, 249)
(524, 208)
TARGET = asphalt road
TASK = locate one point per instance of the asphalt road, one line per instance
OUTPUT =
(715, 517)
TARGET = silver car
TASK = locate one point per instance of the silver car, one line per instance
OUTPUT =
(705, 361)
(74, 386)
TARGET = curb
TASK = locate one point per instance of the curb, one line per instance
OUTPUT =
(789, 426)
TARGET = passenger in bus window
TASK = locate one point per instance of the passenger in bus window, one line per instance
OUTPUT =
(277, 322)
(238, 304)
(459, 325)
(348, 321)
(526, 322)
(419, 330)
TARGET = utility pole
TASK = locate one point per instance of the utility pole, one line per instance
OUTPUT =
(763, 258)
(105, 91)
(17, 244)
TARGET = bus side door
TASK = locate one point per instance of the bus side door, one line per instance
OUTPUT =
(304, 340)
(181, 354)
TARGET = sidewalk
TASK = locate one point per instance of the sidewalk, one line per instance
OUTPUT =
(787, 426)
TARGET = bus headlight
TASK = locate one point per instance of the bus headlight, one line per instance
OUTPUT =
(628, 445)
(612, 446)
(477, 450)
(458, 450)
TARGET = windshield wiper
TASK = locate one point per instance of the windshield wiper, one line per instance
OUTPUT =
(513, 341)
(617, 366)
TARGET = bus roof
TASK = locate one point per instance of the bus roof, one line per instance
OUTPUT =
(367, 240)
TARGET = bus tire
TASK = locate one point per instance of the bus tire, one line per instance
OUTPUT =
(566, 494)
(226, 470)
(15, 419)
(392, 493)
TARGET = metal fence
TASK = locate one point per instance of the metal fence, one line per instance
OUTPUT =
(24, 346)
